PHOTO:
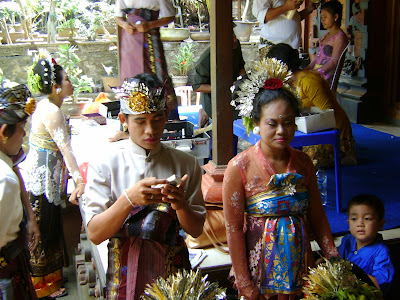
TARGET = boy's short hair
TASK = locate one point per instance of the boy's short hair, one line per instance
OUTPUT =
(370, 200)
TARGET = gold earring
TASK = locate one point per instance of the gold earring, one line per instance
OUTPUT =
(124, 127)
(5, 139)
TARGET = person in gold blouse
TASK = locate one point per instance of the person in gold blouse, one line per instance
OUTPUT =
(314, 90)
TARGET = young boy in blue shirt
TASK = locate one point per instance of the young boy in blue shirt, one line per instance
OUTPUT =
(364, 246)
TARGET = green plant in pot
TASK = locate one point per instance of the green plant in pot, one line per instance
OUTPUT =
(69, 19)
(95, 16)
(183, 60)
(9, 10)
(70, 60)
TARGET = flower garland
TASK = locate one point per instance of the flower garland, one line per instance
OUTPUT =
(270, 74)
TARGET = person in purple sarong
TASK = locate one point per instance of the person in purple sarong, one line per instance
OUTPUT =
(140, 46)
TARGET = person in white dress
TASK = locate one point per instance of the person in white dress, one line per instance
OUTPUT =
(46, 174)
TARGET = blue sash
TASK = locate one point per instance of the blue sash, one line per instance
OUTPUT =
(283, 206)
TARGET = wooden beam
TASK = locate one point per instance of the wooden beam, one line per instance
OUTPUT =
(221, 80)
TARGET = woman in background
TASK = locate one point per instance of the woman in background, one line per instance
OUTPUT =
(331, 44)
(46, 179)
(314, 91)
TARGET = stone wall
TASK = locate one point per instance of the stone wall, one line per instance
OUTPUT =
(14, 59)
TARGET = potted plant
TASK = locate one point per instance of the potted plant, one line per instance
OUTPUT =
(182, 62)
(69, 21)
(81, 83)
(93, 18)
(202, 12)
(243, 28)
(9, 10)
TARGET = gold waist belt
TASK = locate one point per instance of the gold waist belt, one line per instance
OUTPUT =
(42, 141)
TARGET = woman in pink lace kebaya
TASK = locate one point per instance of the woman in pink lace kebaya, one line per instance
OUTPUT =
(333, 43)
(271, 201)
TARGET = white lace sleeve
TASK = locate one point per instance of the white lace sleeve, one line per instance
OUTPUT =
(55, 124)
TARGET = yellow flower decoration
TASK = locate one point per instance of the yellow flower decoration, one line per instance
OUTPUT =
(139, 102)
(30, 106)
(3, 262)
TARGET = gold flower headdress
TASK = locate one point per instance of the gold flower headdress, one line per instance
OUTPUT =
(269, 73)
(136, 98)
(35, 82)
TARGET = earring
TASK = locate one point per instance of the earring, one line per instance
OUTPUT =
(256, 130)
(58, 90)
(124, 127)
(5, 139)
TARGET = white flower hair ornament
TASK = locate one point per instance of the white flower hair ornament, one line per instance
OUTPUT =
(269, 74)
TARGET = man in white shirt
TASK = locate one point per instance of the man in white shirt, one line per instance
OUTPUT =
(123, 203)
(280, 22)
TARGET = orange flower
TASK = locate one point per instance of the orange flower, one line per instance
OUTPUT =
(183, 62)
(30, 106)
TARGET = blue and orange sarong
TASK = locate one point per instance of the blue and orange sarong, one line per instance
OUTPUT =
(283, 206)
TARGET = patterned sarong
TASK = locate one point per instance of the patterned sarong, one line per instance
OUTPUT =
(147, 246)
(15, 281)
(283, 250)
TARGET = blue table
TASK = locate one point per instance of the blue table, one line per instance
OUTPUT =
(305, 139)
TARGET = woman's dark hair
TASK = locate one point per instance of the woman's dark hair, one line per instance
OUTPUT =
(42, 69)
(334, 7)
(287, 54)
(265, 97)
(372, 201)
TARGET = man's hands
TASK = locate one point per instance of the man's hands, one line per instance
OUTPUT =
(140, 26)
(77, 193)
(175, 194)
(142, 193)
(293, 4)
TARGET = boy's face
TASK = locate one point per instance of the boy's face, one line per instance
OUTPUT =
(146, 129)
(364, 224)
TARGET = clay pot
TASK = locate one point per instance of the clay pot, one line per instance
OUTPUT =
(174, 34)
(243, 30)
(200, 35)
(179, 80)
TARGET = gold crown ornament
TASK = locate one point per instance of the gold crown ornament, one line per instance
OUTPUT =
(136, 98)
